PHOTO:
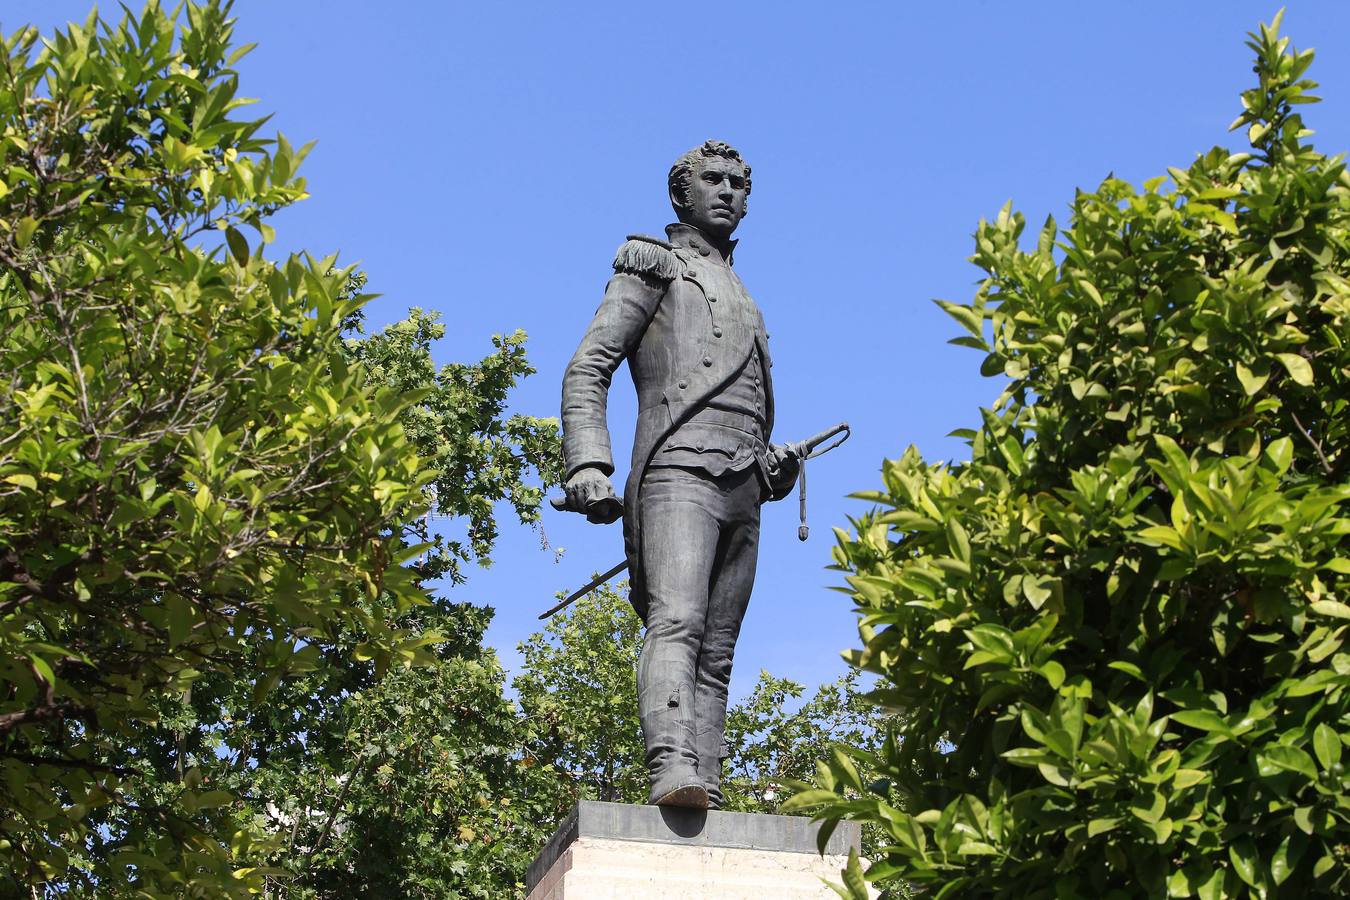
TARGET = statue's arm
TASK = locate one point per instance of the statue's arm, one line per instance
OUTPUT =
(643, 270)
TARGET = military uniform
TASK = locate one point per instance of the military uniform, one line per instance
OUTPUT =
(701, 466)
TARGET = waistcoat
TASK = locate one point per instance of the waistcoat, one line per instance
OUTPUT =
(727, 433)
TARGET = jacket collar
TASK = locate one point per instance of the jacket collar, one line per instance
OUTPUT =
(687, 237)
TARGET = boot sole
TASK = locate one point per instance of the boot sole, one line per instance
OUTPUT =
(690, 796)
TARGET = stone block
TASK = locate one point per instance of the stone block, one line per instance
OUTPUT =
(615, 851)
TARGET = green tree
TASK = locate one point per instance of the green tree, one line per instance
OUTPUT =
(1118, 630)
(478, 455)
(413, 784)
(212, 497)
(776, 738)
(778, 743)
(578, 690)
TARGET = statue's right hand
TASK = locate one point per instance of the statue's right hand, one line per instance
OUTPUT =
(587, 492)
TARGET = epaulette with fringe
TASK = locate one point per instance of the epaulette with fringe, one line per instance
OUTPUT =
(643, 255)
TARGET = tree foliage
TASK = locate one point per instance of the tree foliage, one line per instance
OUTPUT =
(578, 690)
(1127, 611)
(212, 493)
(478, 455)
(412, 785)
(776, 737)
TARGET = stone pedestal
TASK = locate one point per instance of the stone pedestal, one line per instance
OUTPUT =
(617, 851)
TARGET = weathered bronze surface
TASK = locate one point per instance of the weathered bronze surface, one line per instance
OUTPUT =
(702, 462)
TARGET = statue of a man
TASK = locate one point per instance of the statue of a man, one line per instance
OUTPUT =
(702, 462)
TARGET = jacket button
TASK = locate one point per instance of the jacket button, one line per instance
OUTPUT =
(683, 385)
(717, 332)
(707, 360)
(712, 299)
(699, 446)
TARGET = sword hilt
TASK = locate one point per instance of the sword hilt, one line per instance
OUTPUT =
(810, 449)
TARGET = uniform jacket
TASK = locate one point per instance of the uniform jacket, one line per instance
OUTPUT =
(687, 326)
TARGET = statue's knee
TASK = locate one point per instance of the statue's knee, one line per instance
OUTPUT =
(684, 631)
(680, 621)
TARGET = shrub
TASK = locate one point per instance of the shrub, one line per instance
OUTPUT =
(1118, 631)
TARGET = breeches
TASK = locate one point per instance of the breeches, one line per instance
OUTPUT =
(700, 540)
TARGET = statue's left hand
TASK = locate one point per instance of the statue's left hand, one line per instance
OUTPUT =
(783, 467)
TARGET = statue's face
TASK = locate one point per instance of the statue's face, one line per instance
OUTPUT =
(716, 201)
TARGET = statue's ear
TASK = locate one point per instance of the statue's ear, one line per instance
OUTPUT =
(676, 201)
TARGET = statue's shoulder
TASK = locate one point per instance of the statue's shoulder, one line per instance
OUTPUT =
(649, 256)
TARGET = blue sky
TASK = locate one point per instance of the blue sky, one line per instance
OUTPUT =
(485, 160)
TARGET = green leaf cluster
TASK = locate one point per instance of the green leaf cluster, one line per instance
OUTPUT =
(479, 454)
(775, 737)
(410, 785)
(1117, 633)
(578, 690)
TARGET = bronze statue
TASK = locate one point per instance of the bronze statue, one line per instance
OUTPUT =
(702, 462)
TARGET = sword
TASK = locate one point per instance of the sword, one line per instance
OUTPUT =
(582, 592)
(803, 450)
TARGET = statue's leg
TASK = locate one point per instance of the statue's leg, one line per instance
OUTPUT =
(732, 577)
(679, 539)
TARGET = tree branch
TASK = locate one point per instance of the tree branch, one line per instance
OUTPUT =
(64, 762)
(47, 712)
(337, 808)
(1326, 466)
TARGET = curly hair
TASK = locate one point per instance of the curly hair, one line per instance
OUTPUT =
(682, 173)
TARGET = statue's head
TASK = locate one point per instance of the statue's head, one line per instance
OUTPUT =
(709, 187)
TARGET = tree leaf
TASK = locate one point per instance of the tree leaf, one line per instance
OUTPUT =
(958, 541)
(1285, 758)
(1251, 382)
(853, 877)
(1280, 452)
(1332, 608)
(1283, 861)
(1036, 592)
(238, 245)
(1202, 719)
(1327, 746)
(1245, 862)
(1212, 888)
(1053, 672)
(969, 318)
(1299, 368)
(23, 232)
